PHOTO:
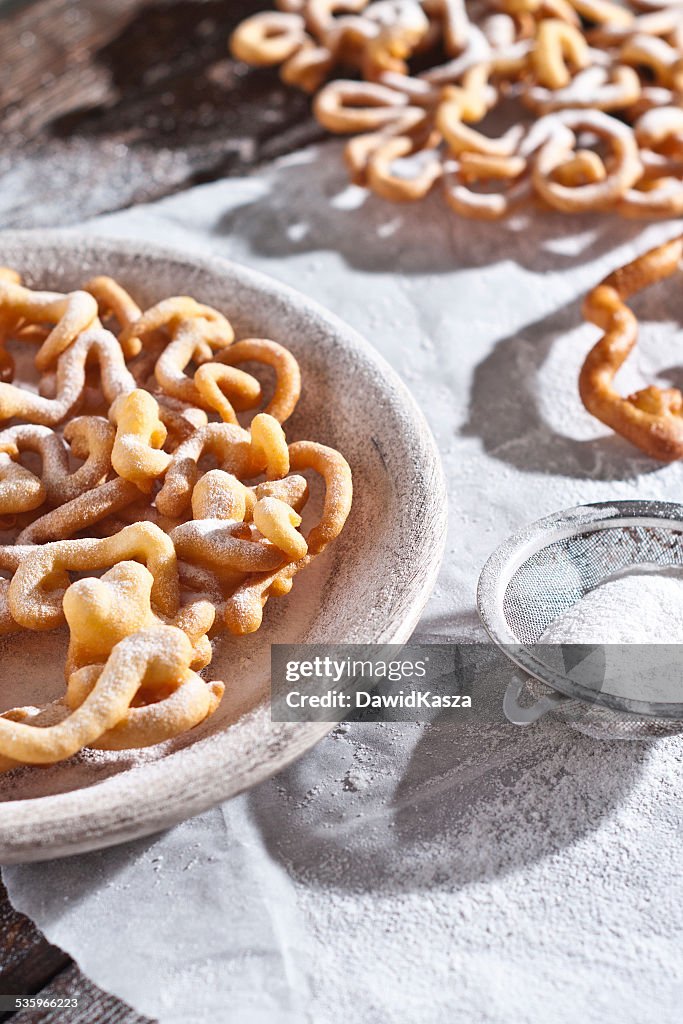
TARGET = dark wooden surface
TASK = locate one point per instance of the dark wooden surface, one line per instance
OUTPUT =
(30, 965)
(104, 104)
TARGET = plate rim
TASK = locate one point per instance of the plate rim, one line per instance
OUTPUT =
(64, 827)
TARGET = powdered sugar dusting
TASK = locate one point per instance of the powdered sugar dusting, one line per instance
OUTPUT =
(636, 609)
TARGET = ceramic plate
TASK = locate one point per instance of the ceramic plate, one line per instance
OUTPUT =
(370, 586)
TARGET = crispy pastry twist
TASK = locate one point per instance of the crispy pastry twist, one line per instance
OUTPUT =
(651, 419)
(130, 488)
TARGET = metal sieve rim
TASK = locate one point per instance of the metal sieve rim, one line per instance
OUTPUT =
(516, 549)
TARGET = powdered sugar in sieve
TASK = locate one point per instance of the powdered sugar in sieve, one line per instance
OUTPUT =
(589, 602)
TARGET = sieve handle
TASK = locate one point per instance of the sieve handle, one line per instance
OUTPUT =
(517, 713)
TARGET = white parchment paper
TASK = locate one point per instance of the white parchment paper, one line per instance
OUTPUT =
(417, 874)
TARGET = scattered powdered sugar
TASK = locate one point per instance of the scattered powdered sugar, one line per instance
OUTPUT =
(455, 877)
(466, 874)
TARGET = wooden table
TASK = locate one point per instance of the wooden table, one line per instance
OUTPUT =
(103, 105)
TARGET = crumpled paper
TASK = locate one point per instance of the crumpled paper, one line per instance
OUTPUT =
(411, 874)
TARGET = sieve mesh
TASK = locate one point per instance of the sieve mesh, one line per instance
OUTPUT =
(538, 574)
(551, 580)
(601, 723)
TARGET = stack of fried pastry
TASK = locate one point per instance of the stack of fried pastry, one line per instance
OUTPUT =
(137, 510)
(574, 103)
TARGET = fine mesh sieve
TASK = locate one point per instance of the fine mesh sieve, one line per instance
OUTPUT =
(539, 573)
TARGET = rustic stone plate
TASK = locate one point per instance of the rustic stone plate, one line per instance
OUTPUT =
(369, 587)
